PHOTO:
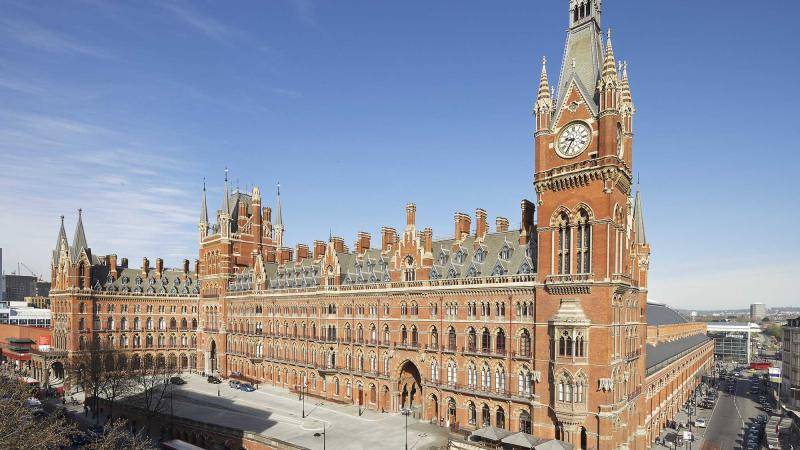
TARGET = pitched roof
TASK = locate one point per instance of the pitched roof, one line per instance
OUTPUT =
(584, 47)
(657, 354)
(658, 314)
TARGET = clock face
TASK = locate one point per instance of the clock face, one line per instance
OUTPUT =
(574, 140)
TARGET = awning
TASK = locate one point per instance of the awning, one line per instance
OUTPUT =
(553, 444)
(521, 439)
(491, 433)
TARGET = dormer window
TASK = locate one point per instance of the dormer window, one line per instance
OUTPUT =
(409, 273)
(505, 252)
(442, 258)
(480, 255)
(459, 256)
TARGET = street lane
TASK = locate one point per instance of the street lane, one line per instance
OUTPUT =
(731, 415)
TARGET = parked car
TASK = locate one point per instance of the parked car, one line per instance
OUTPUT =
(234, 384)
(177, 380)
(700, 423)
(247, 387)
(213, 380)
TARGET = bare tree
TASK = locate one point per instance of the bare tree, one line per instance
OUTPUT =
(153, 388)
(22, 427)
(90, 365)
(116, 435)
(117, 381)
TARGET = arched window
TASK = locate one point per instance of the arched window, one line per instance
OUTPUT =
(472, 414)
(451, 339)
(414, 336)
(500, 418)
(434, 370)
(472, 340)
(584, 243)
(386, 335)
(403, 335)
(500, 342)
(564, 244)
(486, 415)
(486, 341)
(434, 338)
(525, 422)
(525, 343)
(451, 372)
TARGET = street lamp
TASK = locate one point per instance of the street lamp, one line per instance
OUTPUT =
(303, 398)
(406, 412)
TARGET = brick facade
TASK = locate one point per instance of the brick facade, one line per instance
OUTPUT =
(542, 328)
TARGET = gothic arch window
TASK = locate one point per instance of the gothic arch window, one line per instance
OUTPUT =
(500, 418)
(434, 370)
(486, 415)
(525, 343)
(583, 245)
(472, 414)
(486, 341)
(505, 252)
(472, 339)
(500, 342)
(434, 338)
(452, 371)
(386, 335)
(563, 244)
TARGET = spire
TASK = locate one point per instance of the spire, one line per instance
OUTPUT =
(61, 241)
(203, 206)
(543, 99)
(583, 46)
(610, 63)
(638, 219)
(79, 241)
(278, 218)
(625, 87)
(226, 200)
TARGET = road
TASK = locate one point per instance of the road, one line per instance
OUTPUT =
(731, 415)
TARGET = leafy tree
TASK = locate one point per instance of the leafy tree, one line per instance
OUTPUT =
(774, 331)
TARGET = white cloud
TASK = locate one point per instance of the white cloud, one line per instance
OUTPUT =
(38, 37)
(133, 200)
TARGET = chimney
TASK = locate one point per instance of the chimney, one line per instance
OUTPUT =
(481, 227)
(302, 252)
(527, 221)
(501, 224)
(462, 225)
(319, 249)
(124, 263)
(427, 240)
(197, 267)
(388, 238)
(112, 265)
(145, 266)
(362, 241)
(266, 214)
(271, 254)
(338, 244)
(185, 266)
(284, 255)
(411, 214)
(159, 267)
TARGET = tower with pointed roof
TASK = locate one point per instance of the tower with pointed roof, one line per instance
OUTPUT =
(586, 257)
(278, 228)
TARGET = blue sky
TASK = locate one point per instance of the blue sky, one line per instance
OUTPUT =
(356, 107)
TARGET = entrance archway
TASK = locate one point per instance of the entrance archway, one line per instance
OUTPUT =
(584, 439)
(410, 386)
(432, 409)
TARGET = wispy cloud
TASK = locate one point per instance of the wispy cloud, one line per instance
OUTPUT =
(21, 86)
(134, 200)
(41, 38)
(206, 25)
(286, 92)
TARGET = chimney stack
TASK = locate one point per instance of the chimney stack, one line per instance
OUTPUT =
(271, 254)
(427, 240)
(527, 221)
(266, 214)
(197, 268)
(302, 252)
(145, 266)
(481, 226)
(185, 266)
(501, 224)
(463, 223)
(411, 214)
(159, 267)
(362, 241)
(112, 265)
(388, 238)
(284, 255)
(319, 249)
(338, 244)
(124, 263)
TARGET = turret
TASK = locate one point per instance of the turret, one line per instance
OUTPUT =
(608, 85)
(225, 213)
(544, 103)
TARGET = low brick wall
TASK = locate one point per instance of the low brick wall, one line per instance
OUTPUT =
(206, 435)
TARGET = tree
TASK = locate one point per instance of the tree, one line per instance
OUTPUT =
(90, 364)
(116, 435)
(21, 427)
(774, 331)
(152, 386)
(117, 381)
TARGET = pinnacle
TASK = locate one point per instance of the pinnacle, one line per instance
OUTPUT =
(610, 63)
(544, 85)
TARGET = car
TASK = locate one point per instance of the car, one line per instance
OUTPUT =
(247, 387)
(234, 384)
(177, 380)
(700, 423)
(213, 380)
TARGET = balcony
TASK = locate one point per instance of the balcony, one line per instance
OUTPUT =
(569, 278)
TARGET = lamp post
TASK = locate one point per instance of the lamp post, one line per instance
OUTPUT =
(406, 412)
(303, 398)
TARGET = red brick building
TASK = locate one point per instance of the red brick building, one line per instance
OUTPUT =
(542, 329)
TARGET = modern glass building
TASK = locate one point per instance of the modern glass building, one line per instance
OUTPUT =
(733, 341)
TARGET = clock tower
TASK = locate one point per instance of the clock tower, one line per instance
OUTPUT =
(590, 298)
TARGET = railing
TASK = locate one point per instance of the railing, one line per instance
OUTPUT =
(570, 278)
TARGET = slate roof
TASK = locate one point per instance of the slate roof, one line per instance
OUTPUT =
(172, 281)
(657, 354)
(658, 314)
(500, 253)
